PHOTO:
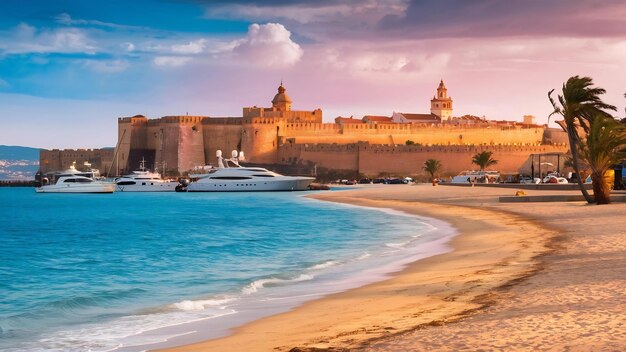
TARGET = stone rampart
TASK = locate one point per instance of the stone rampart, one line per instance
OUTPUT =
(62, 159)
(303, 133)
(373, 160)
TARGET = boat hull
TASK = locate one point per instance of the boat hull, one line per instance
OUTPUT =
(88, 188)
(291, 184)
(156, 187)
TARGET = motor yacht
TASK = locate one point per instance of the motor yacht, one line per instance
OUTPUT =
(74, 181)
(226, 178)
(143, 180)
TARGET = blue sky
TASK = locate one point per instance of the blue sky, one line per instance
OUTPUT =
(68, 69)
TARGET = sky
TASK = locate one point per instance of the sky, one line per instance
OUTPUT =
(70, 68)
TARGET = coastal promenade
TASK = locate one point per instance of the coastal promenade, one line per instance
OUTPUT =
(520, 276)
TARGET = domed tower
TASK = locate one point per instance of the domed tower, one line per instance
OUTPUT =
(441, 104)
(281, 101)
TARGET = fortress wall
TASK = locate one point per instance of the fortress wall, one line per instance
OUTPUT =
(166, 157)
(222, 121)
(255, 111)
(131, 135)
(403, 160)
(332, 156)
(400, 133)
(296, 130)
(59, 160)
(153, 141)
(260, 139)
(314, 116)
(373, 160)
(555, 135)
(191, 147)
(225, 137)
(181, 144)
(49, 160)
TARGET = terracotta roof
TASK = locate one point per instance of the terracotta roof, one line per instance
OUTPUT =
(340, 119)
(469, 117)
(376, 118)
(421, 117)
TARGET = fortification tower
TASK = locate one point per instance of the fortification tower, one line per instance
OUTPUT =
(281, 101)
(441, 104)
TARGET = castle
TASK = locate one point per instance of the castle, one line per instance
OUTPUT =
(278, 135)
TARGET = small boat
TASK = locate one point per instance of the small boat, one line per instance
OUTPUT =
(74, 181)
(477, 177)
(143, 180)
(237, 178)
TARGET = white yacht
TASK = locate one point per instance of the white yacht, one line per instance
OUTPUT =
(74, 181)
(476, 177)
(245, 179)
(144, 181)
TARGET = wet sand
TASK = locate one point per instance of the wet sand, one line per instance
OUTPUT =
(521, 276)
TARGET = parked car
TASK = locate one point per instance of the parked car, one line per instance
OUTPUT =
(379, 180)
(526, 180)
(365, 181)
(555, 179)
(395, 181)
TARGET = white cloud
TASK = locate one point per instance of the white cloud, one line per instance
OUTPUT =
(128, 46)
(369, 11)
(28, 39)
(268, 45)
(171, 61)
(65, 19)
(112, 66)
(193, 47)
(382, 62)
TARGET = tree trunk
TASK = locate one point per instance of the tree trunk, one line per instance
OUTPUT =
(572, 146)
(601, 190)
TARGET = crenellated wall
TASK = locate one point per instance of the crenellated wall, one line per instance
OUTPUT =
(443, 134)
(292, 116)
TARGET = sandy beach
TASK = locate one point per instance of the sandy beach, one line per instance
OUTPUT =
(520, 276)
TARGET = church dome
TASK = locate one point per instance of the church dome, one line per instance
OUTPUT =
(281, 97)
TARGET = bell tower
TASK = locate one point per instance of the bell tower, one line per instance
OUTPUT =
(441, 104)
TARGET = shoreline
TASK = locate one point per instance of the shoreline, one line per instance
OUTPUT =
(493, 250)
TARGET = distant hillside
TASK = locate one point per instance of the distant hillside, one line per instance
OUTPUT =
(18, 163)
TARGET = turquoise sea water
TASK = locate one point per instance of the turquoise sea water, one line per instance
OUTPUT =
(125, 271)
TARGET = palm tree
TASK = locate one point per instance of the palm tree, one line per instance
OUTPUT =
(623, 121)
(484, 160)
(582, 165)
(579, 104)
(604, 146)
(432, 166)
